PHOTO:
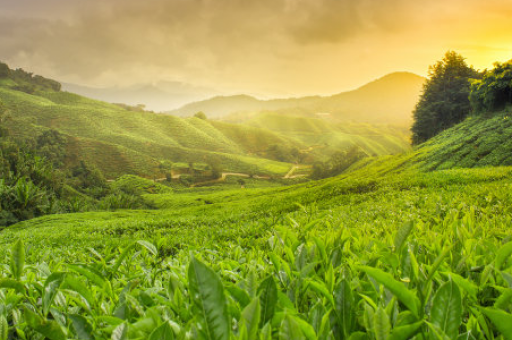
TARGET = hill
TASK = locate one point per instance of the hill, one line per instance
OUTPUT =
(389, 99)
(390, 238)
(158, 97)
(119, 139)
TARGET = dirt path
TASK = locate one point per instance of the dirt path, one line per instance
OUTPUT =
(236, 174)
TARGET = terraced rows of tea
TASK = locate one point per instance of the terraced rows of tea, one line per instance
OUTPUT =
(384, 252)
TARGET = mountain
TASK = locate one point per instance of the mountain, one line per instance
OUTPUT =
(389, 99)
(157, 97)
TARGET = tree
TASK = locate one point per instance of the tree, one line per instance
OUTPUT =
(445, 98)
(4, 70)
(201, 115)
(494, 91)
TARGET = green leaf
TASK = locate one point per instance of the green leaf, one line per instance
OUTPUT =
(17, 259)
(120, 258)
(344, 304)
(465, 284)
(82, 327)
(91, 274)
(437, 333)
(208, 294)
(239, 295)
(251, 318)
(149, 246)
(290, 329)
(120, 332)
(405, 332)
(402, 234)
(446, 312)
(50, 289)
(502, 321)
(321, 289)
(162, 332)
(49, 329)
(381, 324)
(405, 296)
(268, 297)
(12, 284)
(502, 255)
(76, 285)
(439, 260)
(4, 328)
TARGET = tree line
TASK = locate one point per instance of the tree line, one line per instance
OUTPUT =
(454, 90)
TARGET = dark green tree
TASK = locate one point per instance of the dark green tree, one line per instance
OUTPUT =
(445, 98)
(4, 70)
(201, 115)
(494, 91)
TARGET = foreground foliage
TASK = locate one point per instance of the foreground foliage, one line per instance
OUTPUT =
(423, 257)
(297, 285)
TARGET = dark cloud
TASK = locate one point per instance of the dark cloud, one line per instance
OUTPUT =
(212, 40)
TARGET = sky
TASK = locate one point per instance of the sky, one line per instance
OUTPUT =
(265, 47)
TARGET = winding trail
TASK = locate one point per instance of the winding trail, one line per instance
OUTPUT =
(289, 175)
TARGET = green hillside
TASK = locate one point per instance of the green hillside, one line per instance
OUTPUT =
(325, 137)
(390, 238)
(120, 141)
(389, 99)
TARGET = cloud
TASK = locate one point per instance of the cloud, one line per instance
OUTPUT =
(258, 43)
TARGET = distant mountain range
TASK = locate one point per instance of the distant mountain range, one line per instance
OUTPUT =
(161, 96)
(389, 99)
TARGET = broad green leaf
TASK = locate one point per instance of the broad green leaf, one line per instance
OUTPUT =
(500, 319)
(51, 286)
(343, 306)
(92, 275)
(358, 336)
(381, 324)
(17, 259)
(12, 284)
(439, 260)
(251, 318)
(321, 289)
(290, 329)
(76, 285)
(266, 332)
(268, 297)
(120, 332)
(405, 296)
(208, 294)
(504, 299)
(446, 312)
(437, 333)
(306, 328)
(82, 327)
(468, 286)
(162, 332)
(50, 329)
(405, 332)
(149, 246)
(402, 234)
(120, 258)
(4, 328)
(239, 295)
(502, 255)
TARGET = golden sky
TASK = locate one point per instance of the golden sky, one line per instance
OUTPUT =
(266, 47)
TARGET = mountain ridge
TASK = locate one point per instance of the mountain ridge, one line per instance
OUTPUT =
(347, 105)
